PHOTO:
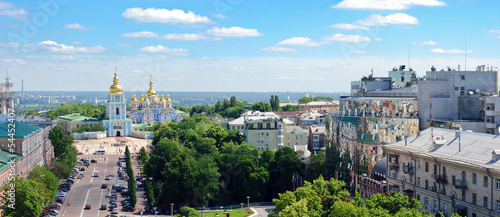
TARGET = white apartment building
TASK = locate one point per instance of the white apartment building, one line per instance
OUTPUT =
(448, 171)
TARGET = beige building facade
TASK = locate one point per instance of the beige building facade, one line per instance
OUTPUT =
(448, 171)
(265, 133)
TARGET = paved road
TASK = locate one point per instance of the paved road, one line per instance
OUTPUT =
(262, 210)
(88, 190)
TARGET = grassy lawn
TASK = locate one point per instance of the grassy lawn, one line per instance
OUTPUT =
(234, 213)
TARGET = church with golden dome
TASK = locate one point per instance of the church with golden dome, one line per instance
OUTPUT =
(152, 108)
(116, 121)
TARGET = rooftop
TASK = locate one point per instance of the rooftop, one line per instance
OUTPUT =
(76, 117)
(5, 157)
(322, 102)
(22, 130)
(297, 129)
(475, 148)
(316, 129)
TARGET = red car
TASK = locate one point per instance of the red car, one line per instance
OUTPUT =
(104, 186)
(80, 153)
(87, 206)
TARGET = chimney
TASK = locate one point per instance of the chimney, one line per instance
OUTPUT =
(457, 135)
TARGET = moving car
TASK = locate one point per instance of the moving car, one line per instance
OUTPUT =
(103, 207)
(95, 174)
(104, 186)
(128, 209)
(88, 206)
(115, 211)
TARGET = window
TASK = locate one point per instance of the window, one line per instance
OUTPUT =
(418, 197)
(462, 88)
(498, 184)
(426, 184)
(268, 125)
(485, 182)
(498, 205)
(474, 178)
(418, 181)
(464, 174)
(464, 196)
(418, 164)
(430, 106)
(426, 166)
(453, 178)
(426, 203)
(474, 198)
(462, 77)
(456, 88)
(485, 202)
(435, 204)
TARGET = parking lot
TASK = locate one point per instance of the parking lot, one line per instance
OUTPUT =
(88, 191)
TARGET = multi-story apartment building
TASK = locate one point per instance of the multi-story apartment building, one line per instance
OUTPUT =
(308, 119)
(492, 115)
(31, 142)
(317, 139)
(265, 133)
(319, 106)
(456, 96)
(296, 136)
(448, 171)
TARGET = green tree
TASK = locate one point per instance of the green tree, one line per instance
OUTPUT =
(285, 166)
(47, 180)
(233, 102)
(27, 202)
(261, 106)
(59, 140)
(143, 156)
(316, 167)
(290, 108)
(32, 112)
(272, 104)
(233, 112)
(276, 103)
(189, 212)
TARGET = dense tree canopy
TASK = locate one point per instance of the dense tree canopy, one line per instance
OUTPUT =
(87, 109)
(28, 201)
(87, 128)
(305, 99)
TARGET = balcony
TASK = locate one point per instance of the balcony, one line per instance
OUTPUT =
(491, 125)
(443, 179)
(460, 184)
(490, 113)
(394, 166)
(408, 169)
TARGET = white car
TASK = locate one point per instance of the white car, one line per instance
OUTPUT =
(115, 211)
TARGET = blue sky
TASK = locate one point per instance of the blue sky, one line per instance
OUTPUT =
(238, 45)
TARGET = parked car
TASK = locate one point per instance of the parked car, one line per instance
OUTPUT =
(107, 178)
(128, 209)
(93, 161)
(81, 176)
(82, 168)
(115, 211)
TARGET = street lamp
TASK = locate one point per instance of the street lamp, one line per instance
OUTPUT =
(56, 159)
(172, 209)
(248, 201)
(221, 210)
(242, 209)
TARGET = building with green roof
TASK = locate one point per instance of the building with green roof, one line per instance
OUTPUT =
(75, 120)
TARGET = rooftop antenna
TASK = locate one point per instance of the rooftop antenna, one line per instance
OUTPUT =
(409, 56)
(465, 54)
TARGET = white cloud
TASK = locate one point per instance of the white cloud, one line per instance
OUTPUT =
(221, 16)
(439, 50)
(279, 49)
(187, 37)
(54, 47)
(78, 26)
(348, 26)
(377, 39)
(498, 36)
(206, 58)
(124, 45)
(161, 49)
(425, 43)
(141, 34)
(67, 58)
(137, 71)
(380, 20)
(358, 52)
(153, 15)
(234, 31)
(300, 41)
(346, 38)
(386, 4)
(10, 10)
(496, 31)
(235, 68)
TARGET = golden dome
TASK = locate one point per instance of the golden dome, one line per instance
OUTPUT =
(168, 100)
(162, 100)
(141, 99)
(151, 92)
(115, 88)
(134, 100)
(146, 99)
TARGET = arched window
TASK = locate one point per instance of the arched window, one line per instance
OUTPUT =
(117, 111)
